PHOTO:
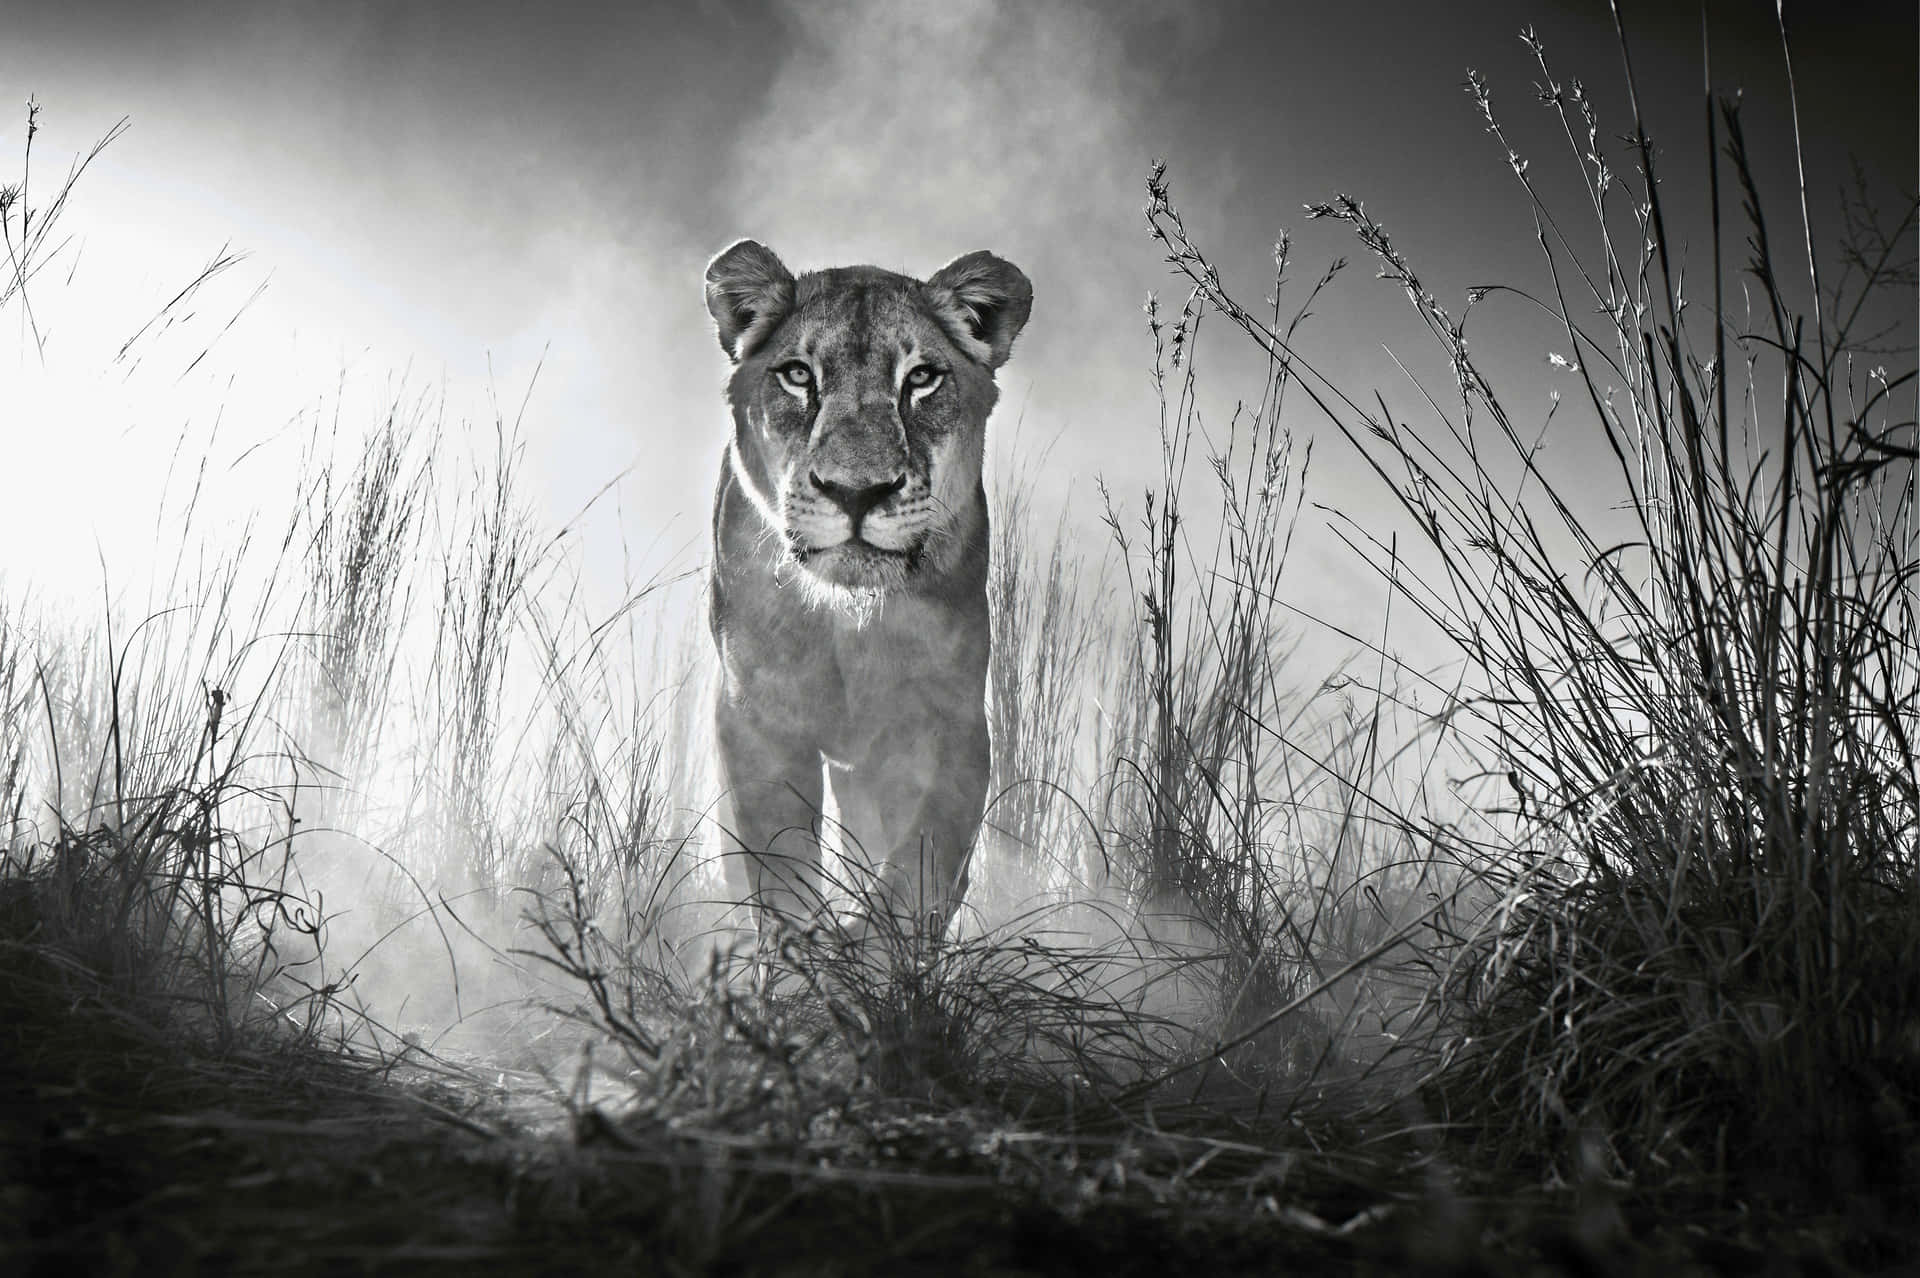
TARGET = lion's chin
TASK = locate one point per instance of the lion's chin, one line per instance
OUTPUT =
(859, 565)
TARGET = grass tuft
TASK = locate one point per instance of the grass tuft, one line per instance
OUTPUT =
(1700, 962)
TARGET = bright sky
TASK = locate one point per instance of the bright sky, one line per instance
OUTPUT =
(436, 197)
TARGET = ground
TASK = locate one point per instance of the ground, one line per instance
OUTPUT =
(126, 1150)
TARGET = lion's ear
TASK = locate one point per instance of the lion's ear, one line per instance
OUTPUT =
(983, 301)
(749, 291)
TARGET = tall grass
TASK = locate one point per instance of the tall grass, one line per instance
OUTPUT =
(147, 861)
(1242, 800)
(1049, 636)
(162, 869)
(269, 782)
(362, 532)
(1704, 959)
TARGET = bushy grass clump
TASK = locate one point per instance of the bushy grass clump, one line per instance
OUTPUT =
(1698, 709)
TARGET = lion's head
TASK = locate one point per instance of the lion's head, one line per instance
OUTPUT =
(860, 401)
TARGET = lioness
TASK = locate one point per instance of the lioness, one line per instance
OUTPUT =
(849, 593)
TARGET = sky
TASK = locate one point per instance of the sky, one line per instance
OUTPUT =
(443, 199)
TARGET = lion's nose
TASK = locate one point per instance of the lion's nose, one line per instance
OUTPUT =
(857, 499)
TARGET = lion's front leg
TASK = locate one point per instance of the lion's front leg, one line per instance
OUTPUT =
(770, 818)
(912, 810)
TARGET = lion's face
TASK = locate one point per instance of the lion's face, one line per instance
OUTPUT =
(860, 401)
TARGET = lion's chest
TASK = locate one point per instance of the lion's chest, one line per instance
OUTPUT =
(848, 688)
(816, 677)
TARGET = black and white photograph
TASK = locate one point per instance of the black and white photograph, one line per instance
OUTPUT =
(960, 637)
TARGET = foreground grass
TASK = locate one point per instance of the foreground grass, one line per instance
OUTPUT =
(132, 1147)
(136, 1143)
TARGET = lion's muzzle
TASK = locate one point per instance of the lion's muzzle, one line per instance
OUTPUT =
(855, 523)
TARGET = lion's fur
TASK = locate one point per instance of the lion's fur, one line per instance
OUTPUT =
(849, 593)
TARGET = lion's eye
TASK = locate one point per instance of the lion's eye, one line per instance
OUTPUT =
(795, 374)
(923, 377)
